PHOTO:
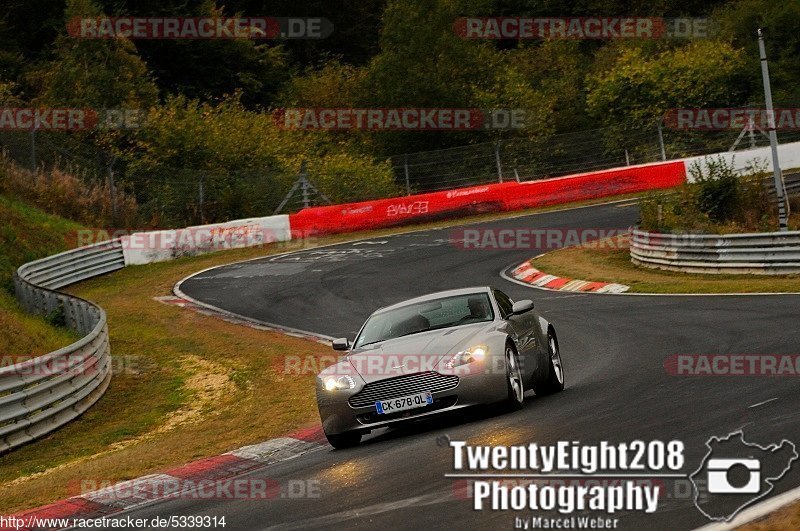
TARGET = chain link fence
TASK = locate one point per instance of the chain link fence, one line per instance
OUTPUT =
(169, 197)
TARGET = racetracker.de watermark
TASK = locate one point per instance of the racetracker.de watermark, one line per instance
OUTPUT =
(165, 486)
(529, 238)
(68, 119)
(399, 119)
(722, 119)
(581, 28)
(210, 238)
(199, 28)
(36, 367)
(733, 365)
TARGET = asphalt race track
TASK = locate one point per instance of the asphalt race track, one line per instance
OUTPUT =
(614, 348)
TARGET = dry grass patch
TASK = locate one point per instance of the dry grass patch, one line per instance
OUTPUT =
(186, 385)
(786, 518)
(609, 261)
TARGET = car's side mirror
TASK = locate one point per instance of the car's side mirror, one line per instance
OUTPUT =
(522, 307)
(340, 344)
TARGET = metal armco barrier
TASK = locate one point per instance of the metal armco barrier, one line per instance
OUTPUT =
(44, 393)
(791, 182)
(770, 253)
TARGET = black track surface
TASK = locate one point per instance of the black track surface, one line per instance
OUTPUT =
(613, 347)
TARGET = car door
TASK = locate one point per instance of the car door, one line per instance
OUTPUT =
(524, 327)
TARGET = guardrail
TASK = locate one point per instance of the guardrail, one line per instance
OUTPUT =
(44, 393)
(791, 182)
(771, 253)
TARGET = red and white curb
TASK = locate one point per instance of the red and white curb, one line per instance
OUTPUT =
(528, 274)
(212, 474)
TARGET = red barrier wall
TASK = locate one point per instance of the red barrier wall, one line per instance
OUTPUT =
(491, 197)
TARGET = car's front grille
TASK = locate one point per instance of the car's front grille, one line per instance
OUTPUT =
(408, 384)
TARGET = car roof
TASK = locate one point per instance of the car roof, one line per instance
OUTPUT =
(437, 295)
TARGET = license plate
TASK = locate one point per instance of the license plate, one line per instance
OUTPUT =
(403, 403)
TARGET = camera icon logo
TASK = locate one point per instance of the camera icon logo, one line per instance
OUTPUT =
(719, 472)
(736, 473)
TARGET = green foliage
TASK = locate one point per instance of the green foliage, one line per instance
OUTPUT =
(98, 74)
(739, 21)
(247, 162)
(27, 233)
(209, 101)
(718, 200)
(345, 178)
(211, 69)
(636, 89)
(424, 63)
(718, 189)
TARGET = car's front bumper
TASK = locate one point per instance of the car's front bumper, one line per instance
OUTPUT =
(339, 416)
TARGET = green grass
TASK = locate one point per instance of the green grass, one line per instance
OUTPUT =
(196, 385)
(611, 262)
(27, 233)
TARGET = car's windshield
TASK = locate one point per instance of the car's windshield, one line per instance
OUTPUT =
(428, 315)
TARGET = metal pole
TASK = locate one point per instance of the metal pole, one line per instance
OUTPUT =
(111, 191)
(33, 150)
(627, 158)
(405, 167)
(304, 184)
(661, 140)
(780, 190)
(497, 161)
(201, 196)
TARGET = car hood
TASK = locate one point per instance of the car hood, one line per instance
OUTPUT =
(414, 353)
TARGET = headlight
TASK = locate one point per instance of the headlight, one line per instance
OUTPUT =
(476, 353)
(333, 383)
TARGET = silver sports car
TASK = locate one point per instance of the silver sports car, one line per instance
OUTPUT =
(435, 354)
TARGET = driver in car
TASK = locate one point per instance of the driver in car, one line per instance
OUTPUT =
(478, 309)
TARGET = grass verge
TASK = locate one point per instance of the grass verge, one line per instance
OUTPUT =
(609, 261)
(27, 233)
(786, 518)
(186, 386)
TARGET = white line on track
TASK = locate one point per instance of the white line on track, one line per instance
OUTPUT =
(762, 403)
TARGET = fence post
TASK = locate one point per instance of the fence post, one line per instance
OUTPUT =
(497, 161)
(405, 167)
(111, 190)
(33, 150)
(304, 184)
(201, 196)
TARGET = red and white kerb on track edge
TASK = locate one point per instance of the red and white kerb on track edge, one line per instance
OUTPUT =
(530, 275)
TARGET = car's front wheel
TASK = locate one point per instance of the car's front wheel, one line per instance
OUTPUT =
(344, 440)
(555, 374)
(516, 391)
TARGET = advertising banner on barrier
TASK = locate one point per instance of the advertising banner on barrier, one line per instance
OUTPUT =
(485, 198)
(158, 246)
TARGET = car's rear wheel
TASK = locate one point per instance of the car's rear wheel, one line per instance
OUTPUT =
(516, 391)
(344, 440)
(555, 374)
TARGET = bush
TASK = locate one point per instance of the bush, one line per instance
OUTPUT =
(717, 201)
(718, 189)
(66, 195)
(247, 161)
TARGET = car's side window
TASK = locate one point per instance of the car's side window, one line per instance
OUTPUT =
(504, 302)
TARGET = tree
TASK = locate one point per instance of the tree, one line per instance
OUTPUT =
(739, 21)
(95, 73)
(634, 89)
